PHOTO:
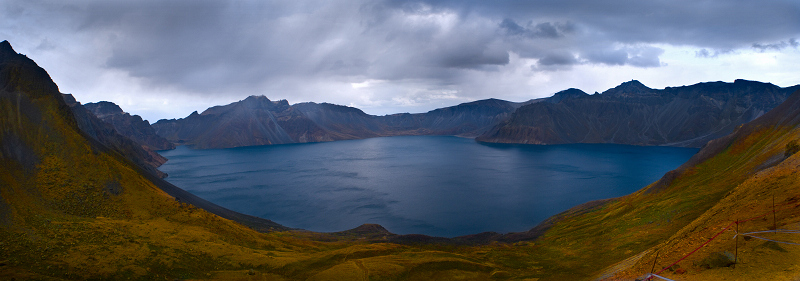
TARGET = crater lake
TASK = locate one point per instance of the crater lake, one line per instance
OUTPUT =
(434, 185)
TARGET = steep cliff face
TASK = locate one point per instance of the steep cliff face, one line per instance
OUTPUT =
(635, 114)
(107, 134)
(131, 126)
(259, 121)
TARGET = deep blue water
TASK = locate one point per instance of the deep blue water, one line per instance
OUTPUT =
(434, 185)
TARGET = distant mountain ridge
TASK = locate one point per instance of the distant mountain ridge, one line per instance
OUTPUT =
(634, 114)
(630, 113)
(257, 120)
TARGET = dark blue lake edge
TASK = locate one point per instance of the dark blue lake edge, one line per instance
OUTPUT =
(434, 185)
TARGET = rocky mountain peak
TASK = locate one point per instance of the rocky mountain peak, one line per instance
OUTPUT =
(104, 108)
(567, 94)
(255, 99)
(6, 49)
(630, 88)
(262, 102)
(25, 69)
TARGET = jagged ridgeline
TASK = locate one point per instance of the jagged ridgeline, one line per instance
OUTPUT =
(75, 207)
(631, 113)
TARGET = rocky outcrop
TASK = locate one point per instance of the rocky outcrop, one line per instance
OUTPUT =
(131, 126)
(634, 114)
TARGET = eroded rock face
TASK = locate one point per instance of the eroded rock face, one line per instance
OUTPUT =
(131, 126)
(634, 114)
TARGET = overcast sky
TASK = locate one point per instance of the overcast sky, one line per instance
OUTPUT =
(165, 59)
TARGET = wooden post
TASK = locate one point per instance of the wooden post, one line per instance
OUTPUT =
(654, 262)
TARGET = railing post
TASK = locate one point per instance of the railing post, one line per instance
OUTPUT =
(654, 262)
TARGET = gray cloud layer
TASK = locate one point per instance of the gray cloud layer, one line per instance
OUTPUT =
(211, 47)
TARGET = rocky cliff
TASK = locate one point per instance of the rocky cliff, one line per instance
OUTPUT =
(131, 126)
(632, 113)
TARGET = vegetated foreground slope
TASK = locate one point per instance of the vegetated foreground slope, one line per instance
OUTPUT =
(632, 113)
(71, 208)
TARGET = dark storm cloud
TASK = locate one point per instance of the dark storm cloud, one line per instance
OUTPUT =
(777, 46)
(717, 24)
(558, 59)
(540, 30)
(210, 47)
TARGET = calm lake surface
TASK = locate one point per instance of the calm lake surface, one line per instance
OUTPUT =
(434, 185)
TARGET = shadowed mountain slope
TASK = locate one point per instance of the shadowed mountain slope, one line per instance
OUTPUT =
(632, 113)
(131, 126)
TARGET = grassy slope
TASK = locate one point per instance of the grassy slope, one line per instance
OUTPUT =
(85, 213)
(703, 199)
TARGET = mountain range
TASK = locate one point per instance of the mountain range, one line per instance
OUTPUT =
(630, 113)
(76, 207)
(257, 120)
